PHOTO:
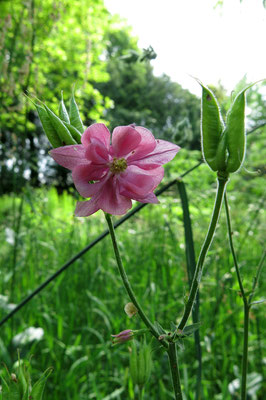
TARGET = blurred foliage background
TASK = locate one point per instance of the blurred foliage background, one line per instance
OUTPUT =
(46, 47)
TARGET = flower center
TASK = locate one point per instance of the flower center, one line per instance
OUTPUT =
(118, 165)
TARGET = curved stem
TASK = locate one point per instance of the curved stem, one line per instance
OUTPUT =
(174, 371)
(207, 242)
(127, 285)
(230, 234)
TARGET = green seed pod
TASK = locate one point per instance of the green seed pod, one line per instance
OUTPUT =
(212, 126)
(75, 119)
(60, 128)
(140, 364)
(63, 114)
(236, 138)
(221, 153)
(74, 132)
(48, 127)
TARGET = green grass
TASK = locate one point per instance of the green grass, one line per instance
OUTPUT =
(84, 306)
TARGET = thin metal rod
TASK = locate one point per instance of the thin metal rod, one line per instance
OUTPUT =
(90, 246)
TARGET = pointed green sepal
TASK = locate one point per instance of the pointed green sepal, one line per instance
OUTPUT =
(212, 126)
(74, 116)
(63, 114)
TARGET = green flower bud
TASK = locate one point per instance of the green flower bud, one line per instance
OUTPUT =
(140, 363)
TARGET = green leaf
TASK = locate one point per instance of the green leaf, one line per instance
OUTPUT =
(180, 343)
(212, 126)
(5, 388)
(14, 392)
(258, 301)
(63, 114)
(23, 382)
(173, 327)
(188, 330)
(75, 119)
(38, 388)
(159, 328)
(60, 128)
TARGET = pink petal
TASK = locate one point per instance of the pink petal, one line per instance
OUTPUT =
(146, 146)
(110, 201)
(127, 332)
(86, 208)
(163, 153)
(124, 140)
(97, 152)
(150, 198)
(139, 182)
(98, 131)
(69, 156)
(82, 174)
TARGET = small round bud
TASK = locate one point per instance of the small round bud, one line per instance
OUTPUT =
(130, 309)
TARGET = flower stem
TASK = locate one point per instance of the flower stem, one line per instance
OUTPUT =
(245, 302)
(172, 354)
(127, 285)
(222, 181)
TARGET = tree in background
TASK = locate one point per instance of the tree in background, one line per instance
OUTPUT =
(141, 97)
(46, 46)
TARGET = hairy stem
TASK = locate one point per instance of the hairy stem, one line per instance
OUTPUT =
(174, 371)
(127, 285)
(246, 301)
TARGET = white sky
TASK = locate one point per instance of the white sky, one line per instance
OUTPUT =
(191, 37)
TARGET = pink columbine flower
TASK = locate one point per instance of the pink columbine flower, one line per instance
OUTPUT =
(123, 336)
(113, 174)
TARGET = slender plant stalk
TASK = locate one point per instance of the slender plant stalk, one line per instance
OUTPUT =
(172, 354)
(191, 267)
(247, 301)
(127, 285)
(222, 181)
